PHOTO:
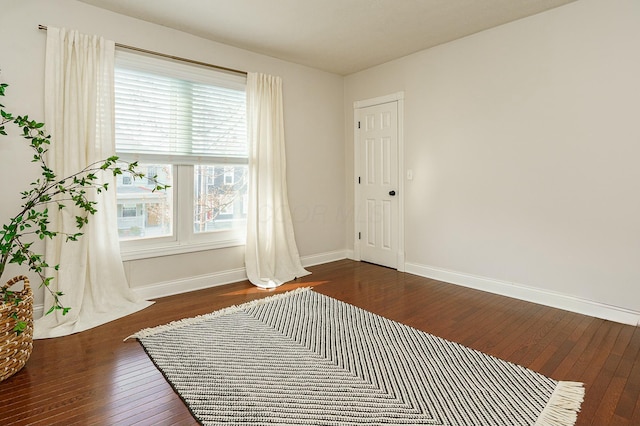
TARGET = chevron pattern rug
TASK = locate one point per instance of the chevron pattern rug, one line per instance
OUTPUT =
(302, 358)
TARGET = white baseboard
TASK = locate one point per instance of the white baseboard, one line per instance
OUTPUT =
(200, 282)
(319, 259)
(184, 285)
(529, 294)
(38, 311)
(351, 254)
(517, 291)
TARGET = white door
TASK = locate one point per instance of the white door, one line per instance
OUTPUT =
(377, 184)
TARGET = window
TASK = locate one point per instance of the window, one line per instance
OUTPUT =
(186, 125)
(129, 210)
(229, 175)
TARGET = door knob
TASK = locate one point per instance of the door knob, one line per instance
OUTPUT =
(392, 193)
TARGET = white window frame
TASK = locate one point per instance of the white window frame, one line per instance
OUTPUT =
(184, 239)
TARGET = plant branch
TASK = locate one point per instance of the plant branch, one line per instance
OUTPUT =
(32, 218)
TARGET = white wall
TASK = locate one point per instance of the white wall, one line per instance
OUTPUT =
(524, 142)
(314, 118)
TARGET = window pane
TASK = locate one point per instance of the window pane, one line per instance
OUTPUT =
(219, 197)
(143, 213)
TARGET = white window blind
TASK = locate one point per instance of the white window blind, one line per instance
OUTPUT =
(178, 113)
(186, 124)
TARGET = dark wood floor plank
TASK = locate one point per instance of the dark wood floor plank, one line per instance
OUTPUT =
(523, 322)
(577, 349)
(95, 378)
(608, 384)
(635, 418)
(564, 350)
(630, 373)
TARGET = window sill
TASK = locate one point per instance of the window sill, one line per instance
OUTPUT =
(160, 250)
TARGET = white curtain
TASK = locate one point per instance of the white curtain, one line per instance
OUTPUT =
(79, 113)
(271, 256)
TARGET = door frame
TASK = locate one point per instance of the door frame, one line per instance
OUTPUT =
(397, 97)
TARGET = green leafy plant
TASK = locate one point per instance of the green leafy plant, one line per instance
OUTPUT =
(31, 223)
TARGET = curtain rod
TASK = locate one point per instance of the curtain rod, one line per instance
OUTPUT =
(164, 55)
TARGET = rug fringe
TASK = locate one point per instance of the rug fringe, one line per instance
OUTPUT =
(563, 406)
(146, 332)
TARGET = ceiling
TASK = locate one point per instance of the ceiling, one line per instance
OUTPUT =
(339, 36)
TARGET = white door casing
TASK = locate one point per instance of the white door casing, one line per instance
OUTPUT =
(378, 187)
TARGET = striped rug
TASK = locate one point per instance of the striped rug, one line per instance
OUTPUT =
(302, 358)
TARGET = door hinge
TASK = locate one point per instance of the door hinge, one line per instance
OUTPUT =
(359, 235)
(358, 124)
(358, 179)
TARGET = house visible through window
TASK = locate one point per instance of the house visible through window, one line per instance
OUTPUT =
(186, 126)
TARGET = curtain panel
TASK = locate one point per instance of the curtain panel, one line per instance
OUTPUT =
(79, 116)
(271, 256)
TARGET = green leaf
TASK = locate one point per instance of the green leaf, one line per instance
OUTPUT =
(20, 327)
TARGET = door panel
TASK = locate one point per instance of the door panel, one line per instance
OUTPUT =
(378, 146)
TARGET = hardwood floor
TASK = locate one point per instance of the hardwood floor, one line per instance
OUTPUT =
(94, 378)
